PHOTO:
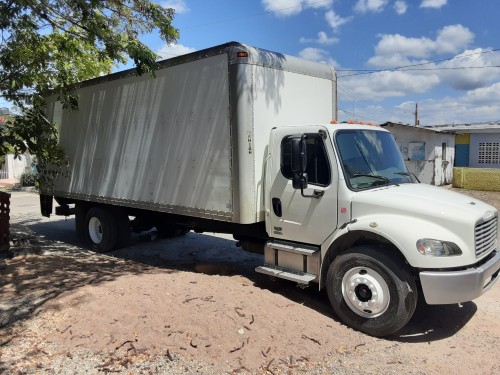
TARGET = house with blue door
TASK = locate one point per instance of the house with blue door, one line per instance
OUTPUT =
(476, 145)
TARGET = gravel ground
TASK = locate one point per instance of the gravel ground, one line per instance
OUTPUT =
(194, 305)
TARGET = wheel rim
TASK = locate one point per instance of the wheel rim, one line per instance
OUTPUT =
(95, 230)
(365, 292)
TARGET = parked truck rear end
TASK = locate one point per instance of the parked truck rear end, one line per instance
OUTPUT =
(237, 139)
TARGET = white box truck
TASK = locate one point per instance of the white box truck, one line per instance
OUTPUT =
(238, 140)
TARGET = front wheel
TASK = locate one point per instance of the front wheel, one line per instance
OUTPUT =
(371, 291)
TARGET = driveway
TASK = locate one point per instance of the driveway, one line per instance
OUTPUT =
(194, 304)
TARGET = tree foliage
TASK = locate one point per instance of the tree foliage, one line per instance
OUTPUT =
(47, 46)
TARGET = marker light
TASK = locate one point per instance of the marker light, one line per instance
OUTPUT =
(241, 54)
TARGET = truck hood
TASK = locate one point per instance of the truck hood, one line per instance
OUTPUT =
(422, 201)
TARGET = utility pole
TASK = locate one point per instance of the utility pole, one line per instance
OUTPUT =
(416, 115)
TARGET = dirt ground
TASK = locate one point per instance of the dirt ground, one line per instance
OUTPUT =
(194, 305)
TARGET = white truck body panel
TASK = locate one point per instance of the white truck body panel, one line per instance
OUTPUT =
(192, 140)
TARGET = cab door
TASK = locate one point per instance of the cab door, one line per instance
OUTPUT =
(293, 217)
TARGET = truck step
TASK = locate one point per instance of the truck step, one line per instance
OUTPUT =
(292, 247)
(297, 276)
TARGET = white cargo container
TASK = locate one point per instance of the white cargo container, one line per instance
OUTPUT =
(237, 139)
(202, 123)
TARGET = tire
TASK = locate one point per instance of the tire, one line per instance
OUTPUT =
(101, 229)
(371, 291)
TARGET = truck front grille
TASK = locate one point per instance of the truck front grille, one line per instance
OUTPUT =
(486, 236)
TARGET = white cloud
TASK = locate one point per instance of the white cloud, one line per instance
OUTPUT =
(322, 38)
(450, 39)
(480, 105)
(398, 44)
(316, 4)
(400, 7)
(485, 96)
(180, 6)
(382, 85)
(285, 8)
(373, 6)
(334, 20)
(474, 73)
(392, 61)
(317, 55)
(172, 50)
(313, 54)
(433, 3)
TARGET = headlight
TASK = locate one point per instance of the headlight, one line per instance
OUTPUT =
(437, 248)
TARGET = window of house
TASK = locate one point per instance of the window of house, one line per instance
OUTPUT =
(489, 153)
(318, 168)
(443, 150)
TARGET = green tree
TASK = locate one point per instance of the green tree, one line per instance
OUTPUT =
(48, 46)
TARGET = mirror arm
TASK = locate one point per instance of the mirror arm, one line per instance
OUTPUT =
(317, 193)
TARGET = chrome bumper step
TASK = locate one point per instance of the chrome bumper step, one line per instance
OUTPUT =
(282, 273)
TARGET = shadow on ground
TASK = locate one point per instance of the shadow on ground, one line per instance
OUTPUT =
(42, 269)
(436, 322)
(50, 261)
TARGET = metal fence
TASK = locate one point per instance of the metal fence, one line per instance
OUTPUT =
(4, 174)
(4, 221)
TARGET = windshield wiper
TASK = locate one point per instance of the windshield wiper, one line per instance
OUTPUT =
(382, 178)
(409, 175)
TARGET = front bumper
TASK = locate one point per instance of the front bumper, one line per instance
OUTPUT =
(442, 287)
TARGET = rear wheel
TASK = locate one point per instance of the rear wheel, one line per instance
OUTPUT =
(371, 291)
(101, 229)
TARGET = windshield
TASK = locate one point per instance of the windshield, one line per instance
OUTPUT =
(370, 158)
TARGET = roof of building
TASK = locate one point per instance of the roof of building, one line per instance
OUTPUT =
(468, 128)
(413, 127)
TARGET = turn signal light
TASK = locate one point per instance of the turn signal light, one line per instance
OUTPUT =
(352, 122)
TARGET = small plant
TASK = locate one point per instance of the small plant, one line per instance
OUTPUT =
(28, 178)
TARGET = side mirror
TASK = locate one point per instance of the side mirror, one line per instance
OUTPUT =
(299, 155)
(299, 181)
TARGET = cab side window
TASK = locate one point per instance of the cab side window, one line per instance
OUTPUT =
(318, 168)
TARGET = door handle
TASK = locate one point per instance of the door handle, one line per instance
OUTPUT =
(277, 207)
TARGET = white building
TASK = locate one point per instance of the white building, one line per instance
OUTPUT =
(428, 154)
(13, 167)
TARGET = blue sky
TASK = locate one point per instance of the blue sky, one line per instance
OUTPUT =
(451, 39)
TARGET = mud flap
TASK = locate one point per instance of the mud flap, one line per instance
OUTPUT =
(46, 204)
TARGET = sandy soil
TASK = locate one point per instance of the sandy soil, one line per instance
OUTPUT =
(194, 305)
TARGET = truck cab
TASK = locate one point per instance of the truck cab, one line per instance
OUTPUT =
(343, 211)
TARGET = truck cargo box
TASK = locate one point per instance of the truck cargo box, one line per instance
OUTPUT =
(191, 141)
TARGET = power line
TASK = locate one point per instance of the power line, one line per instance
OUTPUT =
(411, 66)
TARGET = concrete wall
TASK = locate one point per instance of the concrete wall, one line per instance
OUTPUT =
(477, 178)
(15, 167)
(435, 168)
(484, 147)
